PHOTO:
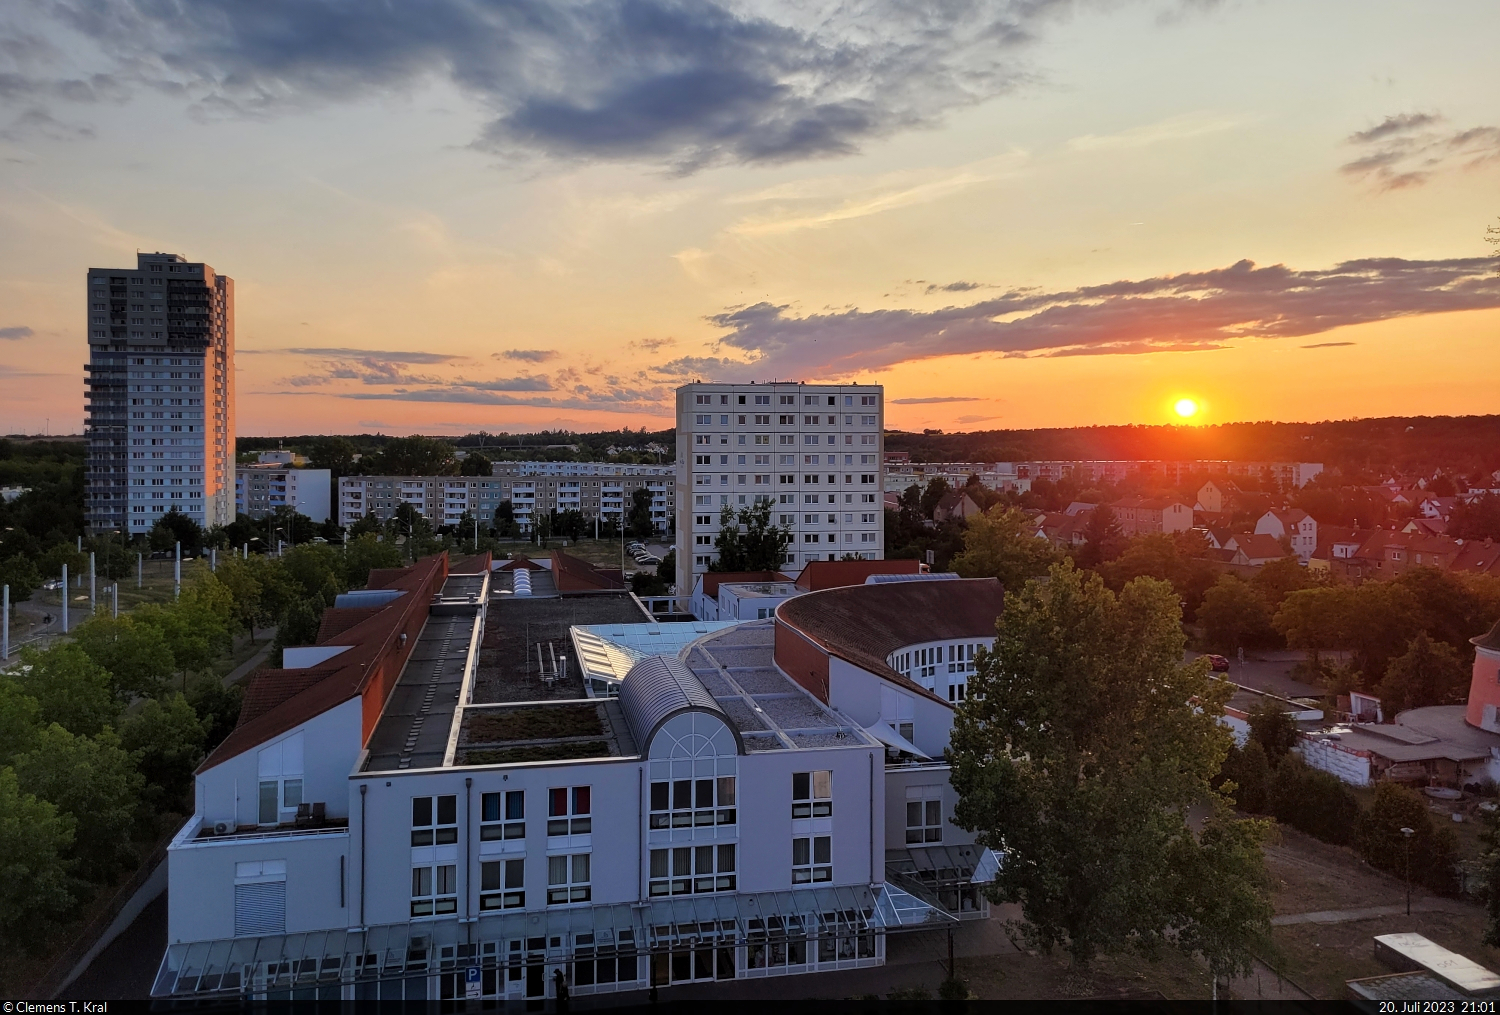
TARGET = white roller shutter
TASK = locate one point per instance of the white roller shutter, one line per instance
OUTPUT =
(260, 909)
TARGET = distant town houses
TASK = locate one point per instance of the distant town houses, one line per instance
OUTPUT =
(1294, 525)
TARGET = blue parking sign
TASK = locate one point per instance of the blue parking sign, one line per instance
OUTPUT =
(471, 982)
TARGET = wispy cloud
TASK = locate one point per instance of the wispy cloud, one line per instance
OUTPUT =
(383, 355)
(1190, 311)
(686, 85)
(17, 331)
(954, 287)
(934, 400)
(1173, 129)
(976, 419)
(527, 355)
(1327, 345)
(1407, 149)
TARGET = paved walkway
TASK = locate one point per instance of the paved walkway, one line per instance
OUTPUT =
(1369, 913)
(249, 666)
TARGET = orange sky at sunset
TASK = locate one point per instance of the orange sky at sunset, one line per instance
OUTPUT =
(1276, 210)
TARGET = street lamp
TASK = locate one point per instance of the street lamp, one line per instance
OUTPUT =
(1406, 834)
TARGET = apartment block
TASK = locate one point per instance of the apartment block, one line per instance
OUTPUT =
(813, 451)
(597, 489)
(160, 390)
(260, 490)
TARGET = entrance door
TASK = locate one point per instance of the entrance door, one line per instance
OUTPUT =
(536, 983)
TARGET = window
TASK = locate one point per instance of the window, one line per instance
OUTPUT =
(502, 815)
(924, 821)
(434, 890)
(812, 859)
(812, 794)
(568, 879)
(425, 831)
(686, 803)
(703, 399)
(702, 419)
(787, 400)
(866, 399)
(502, 884)
(763, 400)
(685, 870)
(568, 811)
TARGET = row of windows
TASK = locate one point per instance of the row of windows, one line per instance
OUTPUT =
(707, 500)
(705, 440)
(786, 399)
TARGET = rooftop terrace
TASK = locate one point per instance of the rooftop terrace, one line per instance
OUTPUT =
(510, 669)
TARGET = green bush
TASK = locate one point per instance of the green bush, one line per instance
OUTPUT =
(1313, 802)
(1431, 851)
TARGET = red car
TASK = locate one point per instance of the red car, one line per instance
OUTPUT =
(1217, 664)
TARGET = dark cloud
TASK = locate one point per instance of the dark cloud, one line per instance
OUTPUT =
(688, 84)
(1196, 310)
(934, 400)
(1407, 149)
(527, 355)
(651, 402)
(1327, 345)
(954, 287)
(38, 121)
(510, 384)
(18, 331)
(653, 344)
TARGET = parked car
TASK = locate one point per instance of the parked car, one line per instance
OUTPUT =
(650, 560)
(52, 584)
(1217, 664)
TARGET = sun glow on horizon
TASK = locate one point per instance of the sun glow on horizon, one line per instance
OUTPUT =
(1186, 408)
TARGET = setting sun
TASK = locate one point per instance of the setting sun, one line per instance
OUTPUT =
(1186, 408)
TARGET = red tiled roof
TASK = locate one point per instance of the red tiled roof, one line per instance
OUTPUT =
(573, 574)
(1259, 546)
(713, 579)
(520, 561)
(280, 700)
(478, 563)
(865, 623)
(832, 574)
(337, 620)
(1481, 557)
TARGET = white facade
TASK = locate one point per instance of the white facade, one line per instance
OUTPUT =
(813, 451)
(729, 799)
(260, 490)
(161, 394)
(1297, 527)
(753, 600)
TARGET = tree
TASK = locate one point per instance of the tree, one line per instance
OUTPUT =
(299, 626)
(638, 520)
(21, 575)
(1431, 851)
(1059, 758)
(570, 524)
(910, 509)
(34, 883)
(1002, 544)
(1250, 771)
(937, 489)
(1174, 557)
(366, 554)
(242, 579)
(667, 569)
(505, 521)
(70, 688)
(1226, 893)
(20, 717)
(747, 541)
(1233, 615)
(1315, 620)
(1103, 538)
(1476, 519)
(336, 454)
(1277, 579)
(166, 740)
(1430, 673)
(135, 655)
(1274, 729)
(414, 456)
(475, 464)
(175, 527)
(1313, 801)
(647, 583)
(366, 525)
(217, 706)
(93, 781)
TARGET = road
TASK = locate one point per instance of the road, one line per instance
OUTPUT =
(1271, 673)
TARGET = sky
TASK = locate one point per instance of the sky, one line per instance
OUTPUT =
(512, 215)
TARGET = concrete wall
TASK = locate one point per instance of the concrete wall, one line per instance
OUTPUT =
(1326, 755)
(201, 875)
(919, 778)
(867, 698)
(330, 744)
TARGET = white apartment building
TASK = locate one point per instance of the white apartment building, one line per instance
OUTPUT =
(160, 416)
(813, 451)
(599, 490)
(260, 490)
(752, 800)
